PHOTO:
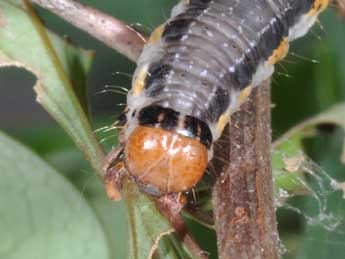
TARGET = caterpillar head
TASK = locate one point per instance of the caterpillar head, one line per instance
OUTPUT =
(164, 161)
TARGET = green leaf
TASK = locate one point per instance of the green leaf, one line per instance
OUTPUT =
(324, 209)
(167, 249)
(287, 162)
(324, 236)
(76, 63)
(288, 155)
(147, 226)
(112, 215)
(334, 115)
(24, 43)
(41, 214)
(67, 159)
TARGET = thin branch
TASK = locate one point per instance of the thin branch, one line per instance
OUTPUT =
(243, 194)
(107, 29)
(170, 206)
(341, 7)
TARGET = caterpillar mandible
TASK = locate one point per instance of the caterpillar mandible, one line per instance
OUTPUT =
(194, 72)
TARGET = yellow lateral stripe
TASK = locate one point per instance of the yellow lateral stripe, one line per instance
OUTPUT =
(318, 7)
(156, 34)
(244, 94)
(139, 83)
(280, 52)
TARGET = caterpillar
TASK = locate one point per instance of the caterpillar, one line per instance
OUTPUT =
(194, 72)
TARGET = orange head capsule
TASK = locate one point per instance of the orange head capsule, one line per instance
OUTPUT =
(164, 162)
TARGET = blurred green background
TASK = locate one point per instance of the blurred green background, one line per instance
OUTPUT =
(300, 89)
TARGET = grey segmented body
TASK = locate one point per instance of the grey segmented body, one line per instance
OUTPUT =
(209, 51)
(199, 67)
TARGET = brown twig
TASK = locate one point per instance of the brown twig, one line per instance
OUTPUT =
(170, 206)
(243, 195)
(341, 7)
(107, 29)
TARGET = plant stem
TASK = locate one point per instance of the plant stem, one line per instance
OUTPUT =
(170, 206)
(340, 4)
(244, 210)
(107, 29)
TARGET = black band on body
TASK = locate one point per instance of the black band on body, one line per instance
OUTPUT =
(167, 119)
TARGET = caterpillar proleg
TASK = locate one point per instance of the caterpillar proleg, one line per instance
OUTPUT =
(194, 72)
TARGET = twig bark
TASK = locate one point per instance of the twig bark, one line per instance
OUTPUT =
(107, 29)
(243, 195)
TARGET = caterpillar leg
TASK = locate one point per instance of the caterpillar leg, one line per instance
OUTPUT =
(115, 170)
